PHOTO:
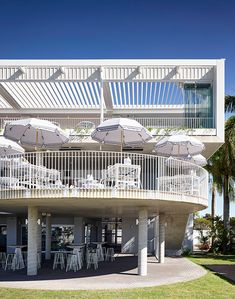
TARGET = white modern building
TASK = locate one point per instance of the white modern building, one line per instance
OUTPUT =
(142, 207)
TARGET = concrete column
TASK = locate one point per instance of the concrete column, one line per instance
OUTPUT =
(142, 242)
(11, 233)
(156, 237)
(188, 235)
(48, 237)
(93, 237)
(99, 231)
(79, 230)
(32, 240)
(161, 238)
(39, 233)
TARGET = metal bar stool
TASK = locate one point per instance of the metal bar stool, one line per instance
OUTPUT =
(9, 261)
(3, 257)
(110, 255)
(92, 259)
(59, 260)
(72, 262)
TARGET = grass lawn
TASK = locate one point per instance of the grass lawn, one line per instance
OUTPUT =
(208, 286)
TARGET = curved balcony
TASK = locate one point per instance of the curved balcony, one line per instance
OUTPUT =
(100, 174)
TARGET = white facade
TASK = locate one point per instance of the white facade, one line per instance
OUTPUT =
(164, 95)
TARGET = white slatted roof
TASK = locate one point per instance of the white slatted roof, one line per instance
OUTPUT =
(75, 84)
(4, 103)
(54, 94)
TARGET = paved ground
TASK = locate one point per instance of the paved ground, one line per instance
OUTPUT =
(122, 273)
(228, 271)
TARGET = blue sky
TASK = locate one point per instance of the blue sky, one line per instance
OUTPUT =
(119, 29)
(74, 29)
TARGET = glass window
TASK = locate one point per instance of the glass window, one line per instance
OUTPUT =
(199, 109)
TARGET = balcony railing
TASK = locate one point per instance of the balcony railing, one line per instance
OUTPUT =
(77, 125)
(97, 174)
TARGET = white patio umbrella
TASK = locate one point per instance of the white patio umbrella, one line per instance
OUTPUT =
(179, 146)
(122, 132)
(198, 160)
(35, 132)
(9, 147)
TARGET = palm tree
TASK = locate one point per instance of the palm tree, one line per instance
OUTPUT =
(221, 165)
(229, 103)
(216, 183)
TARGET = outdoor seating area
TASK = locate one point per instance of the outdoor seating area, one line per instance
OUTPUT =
(97, 171)
(75, 258)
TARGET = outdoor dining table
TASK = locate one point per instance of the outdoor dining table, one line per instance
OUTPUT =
(18, 261)
(77, 246)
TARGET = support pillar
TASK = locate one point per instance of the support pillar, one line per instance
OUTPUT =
(11, 233)
(161, 238)
(32, 240)
(48, 237)
(99, 231)
(142, 242)
(79, 230)
(93, 237)
(156, 237)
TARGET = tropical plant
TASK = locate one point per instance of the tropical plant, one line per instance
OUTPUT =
(229, 103)
(221, 166)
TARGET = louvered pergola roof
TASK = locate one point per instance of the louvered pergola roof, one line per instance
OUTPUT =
(94, 85)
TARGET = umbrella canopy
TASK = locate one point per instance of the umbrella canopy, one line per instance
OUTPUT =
(198, 160)
(9, 147)
(35, 132)
(179, 146)
(121, 131)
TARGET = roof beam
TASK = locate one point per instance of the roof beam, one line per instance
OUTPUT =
(110, 73)
(50, 111)
(107, 97)
(9, 98)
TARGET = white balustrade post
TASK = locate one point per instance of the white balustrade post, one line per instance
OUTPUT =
(32, 240)
(161, 238)
(48, 237)
(142, 242)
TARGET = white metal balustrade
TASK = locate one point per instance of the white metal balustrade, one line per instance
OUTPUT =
(77, 125)
(100, 174)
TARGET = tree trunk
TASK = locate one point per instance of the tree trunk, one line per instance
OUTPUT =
(226, 215)
(213, 211)
(226, 203)
(213, 202)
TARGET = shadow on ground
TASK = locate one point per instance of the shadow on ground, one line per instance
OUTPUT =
(119, 266)
(226, 272)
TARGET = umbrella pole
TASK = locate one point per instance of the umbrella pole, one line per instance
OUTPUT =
(36, 139)
(121, 139)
